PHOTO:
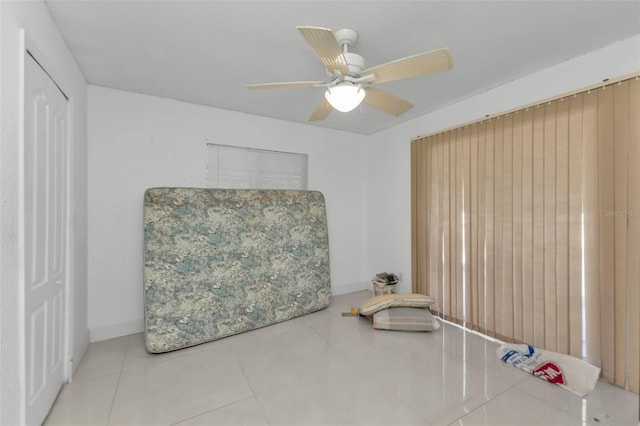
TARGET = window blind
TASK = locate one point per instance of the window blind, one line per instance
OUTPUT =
(526, 226)
(248, 168)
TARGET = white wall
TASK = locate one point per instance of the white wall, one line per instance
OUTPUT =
(390, 228)
(138, 141)
(34, 17)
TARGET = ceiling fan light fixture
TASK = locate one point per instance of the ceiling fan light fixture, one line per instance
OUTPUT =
(345, 96)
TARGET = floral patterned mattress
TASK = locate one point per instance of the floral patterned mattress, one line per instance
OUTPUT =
(219, 262)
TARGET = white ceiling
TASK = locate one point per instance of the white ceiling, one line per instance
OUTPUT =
(204, 52)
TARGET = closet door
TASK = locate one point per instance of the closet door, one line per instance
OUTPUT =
(45, 214)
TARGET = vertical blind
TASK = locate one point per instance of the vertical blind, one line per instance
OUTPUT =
(526, 226)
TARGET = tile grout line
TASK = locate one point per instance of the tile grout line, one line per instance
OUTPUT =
(115, 393)
(483, 404)
(561, 408)
(253, 392)
(210, 411)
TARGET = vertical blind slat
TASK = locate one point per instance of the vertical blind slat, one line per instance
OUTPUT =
(466, 230)
(605, 138)
(430, 181)
(416, 283)
(474, 257)
(482, 167)
(507, 302)
(538, 227)
(562, 226)
(633, 248)
(453, 223)
(549, 220)
(440, 234)
(591, 223)
(459, 213)
(517, 228)
(434, 217)
(620, 94)
(575, 226)
(420, 219)
(527, 225)
(482, 267)
(498, 290)
(490, 218)
(446, 235)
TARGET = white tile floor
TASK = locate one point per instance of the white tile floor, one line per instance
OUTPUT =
(324, 369)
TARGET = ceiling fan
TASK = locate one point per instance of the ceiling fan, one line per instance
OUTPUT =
(350, 83)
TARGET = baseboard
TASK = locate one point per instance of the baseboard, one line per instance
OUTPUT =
(125, 329)
(350, 288)
(117, 330)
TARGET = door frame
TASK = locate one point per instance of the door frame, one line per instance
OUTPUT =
(27, 48)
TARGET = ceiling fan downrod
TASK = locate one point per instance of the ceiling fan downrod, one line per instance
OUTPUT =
(346, 38)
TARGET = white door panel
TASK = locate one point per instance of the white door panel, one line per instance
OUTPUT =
(45, 238)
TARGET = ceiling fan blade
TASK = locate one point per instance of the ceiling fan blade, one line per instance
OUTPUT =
(412, 66)
(386, 102)
(284, 85)
(326, 47)
(322, 111)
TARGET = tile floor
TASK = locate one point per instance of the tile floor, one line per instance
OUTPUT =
(325, 369)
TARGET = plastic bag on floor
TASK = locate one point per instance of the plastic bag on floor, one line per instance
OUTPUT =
(569, 372)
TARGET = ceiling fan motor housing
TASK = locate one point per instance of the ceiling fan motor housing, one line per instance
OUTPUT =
(355, 62)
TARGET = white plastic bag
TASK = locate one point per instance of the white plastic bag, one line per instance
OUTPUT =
(571, 373)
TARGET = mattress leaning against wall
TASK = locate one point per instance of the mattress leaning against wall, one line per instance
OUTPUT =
(219, 262)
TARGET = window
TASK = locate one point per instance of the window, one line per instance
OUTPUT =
(236, 167)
